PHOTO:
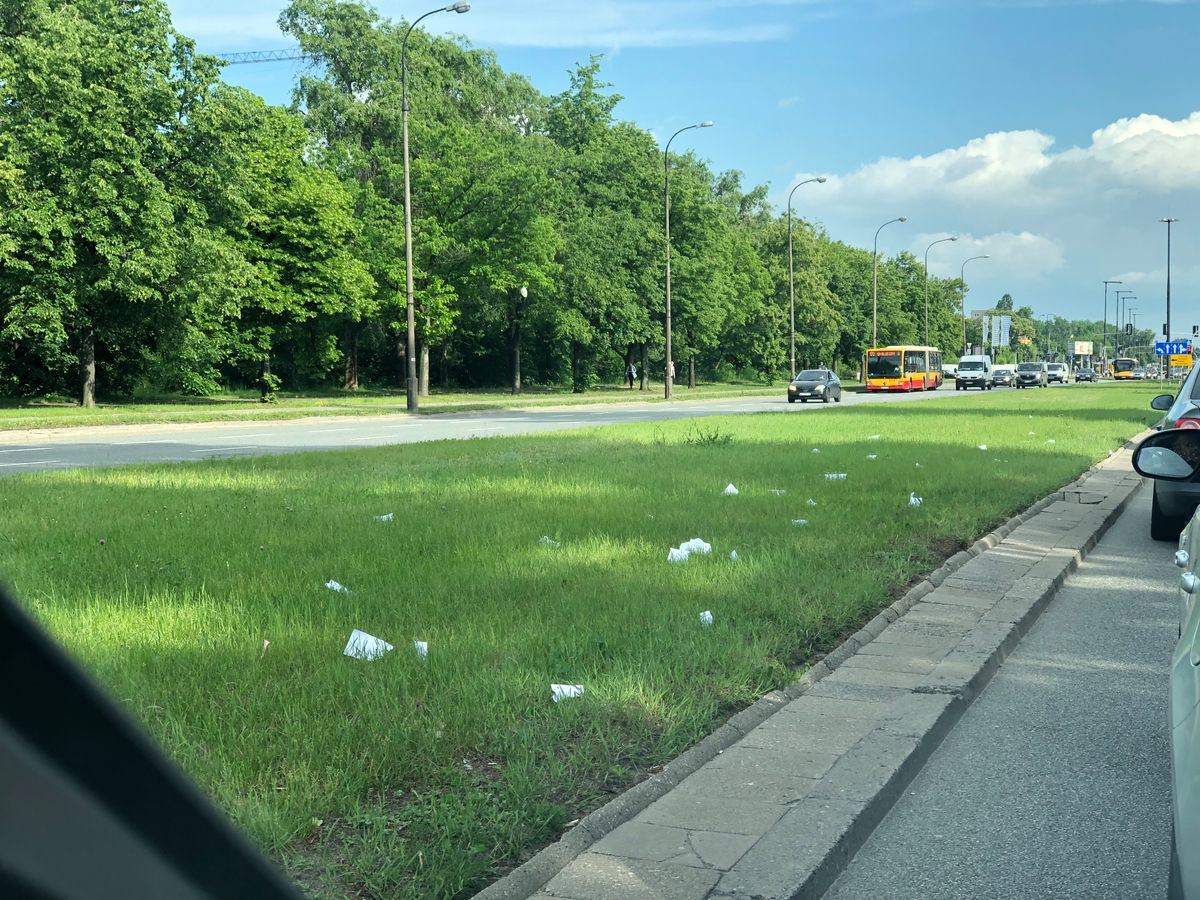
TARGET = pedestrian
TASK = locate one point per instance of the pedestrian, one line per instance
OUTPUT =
(631, 374)
(671, 370)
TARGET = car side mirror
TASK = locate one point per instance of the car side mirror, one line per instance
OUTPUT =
(1162, 402)
(1172, 455)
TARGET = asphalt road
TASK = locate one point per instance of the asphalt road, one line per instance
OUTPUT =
(1056, 782)
(117, 444)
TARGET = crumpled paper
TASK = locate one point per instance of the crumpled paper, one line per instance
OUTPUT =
(872, 456)
(365, 646)
(730, 491)
(422, 648)
(386, 517)
(565, 691)
(706, 617)
(799, 523)
(835, 476)
(339, 588)
(873, 437)
(914, 500)
(733, 555)
(812, 502)
(684, 550)
(549, 541)
(816, 450)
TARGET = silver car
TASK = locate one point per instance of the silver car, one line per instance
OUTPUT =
(1174, 501)
(815, 384)
(1173, 457)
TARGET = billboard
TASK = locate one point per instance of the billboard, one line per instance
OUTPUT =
(1083, 348)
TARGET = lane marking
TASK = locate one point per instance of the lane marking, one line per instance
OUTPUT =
(27, 450)
(40, 462)
(133, 443)
(223, 449)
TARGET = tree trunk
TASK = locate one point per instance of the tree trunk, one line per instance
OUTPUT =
(87, 367)
(514, 345)
(444, 365)
(692, 371)
(645, 364)
(423, 370)
(350, 381)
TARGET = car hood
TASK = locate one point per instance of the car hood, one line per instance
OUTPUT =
(808, 385)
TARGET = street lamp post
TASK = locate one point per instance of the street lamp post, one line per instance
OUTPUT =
(1169, 223)
(1104, 331)
(668, 375)
(927, 249)
(792, 280)
(1120, 304)
(875, 278)
(459, 6)
(962, 289)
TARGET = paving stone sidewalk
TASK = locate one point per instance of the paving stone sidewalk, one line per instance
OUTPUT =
(804, 777)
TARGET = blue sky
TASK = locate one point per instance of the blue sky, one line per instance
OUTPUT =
(1052, 134)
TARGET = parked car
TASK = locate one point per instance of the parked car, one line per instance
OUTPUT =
(949, 371)
(1140, 375)
(974, 371)
(1173, 457)
(1174, 501)
(1031, 374)
(1004, 375)
(815, 384)
(1085, 375)
(1056, 372)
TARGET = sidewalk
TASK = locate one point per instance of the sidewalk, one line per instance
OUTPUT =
(776, 802)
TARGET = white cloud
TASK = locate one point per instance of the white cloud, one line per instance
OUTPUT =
(786, 102)
(1028, 256)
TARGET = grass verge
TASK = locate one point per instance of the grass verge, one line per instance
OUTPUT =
(26, 414)
(416, 778)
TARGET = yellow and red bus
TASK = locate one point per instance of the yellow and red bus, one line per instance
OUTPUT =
(904, 368)
(1123, 367)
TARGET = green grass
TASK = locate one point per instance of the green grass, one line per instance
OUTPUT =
(18, 414)
(410, 778)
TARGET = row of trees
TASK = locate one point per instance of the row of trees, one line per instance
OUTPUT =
(176, 233)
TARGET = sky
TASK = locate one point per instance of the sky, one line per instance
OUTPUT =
(1052, 135)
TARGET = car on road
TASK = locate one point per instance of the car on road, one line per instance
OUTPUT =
(1140, 375)
(815, 384)
(1004, 375)
(974, 371)
(1031, 374)
(949, 371)
(1085, 375)
(1175, 501)
(1173, 457)
(1056, 372)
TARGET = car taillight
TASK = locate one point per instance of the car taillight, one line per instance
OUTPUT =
(1187, 423)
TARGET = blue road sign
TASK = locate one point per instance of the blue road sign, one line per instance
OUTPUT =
(1172, 348)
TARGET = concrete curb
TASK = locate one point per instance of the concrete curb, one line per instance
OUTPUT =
(531, 876)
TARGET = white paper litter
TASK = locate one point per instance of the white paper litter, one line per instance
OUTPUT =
(386, 517)
(334, 586)
(549, 541)
(914, 500)
(812, 502)
(835, 476)
(919, 466)
(730, 490)
(696, 545)
(1051, 441)
(983, 446)
(706, 617)
(816, 450)
(778, 492)
(676, 555)
(873, 437)
(733, 554)
(872, 456)
(564, 691)
(365, 646)
(799, 523)
(422, 648)
(1032, 433)
(266, 644)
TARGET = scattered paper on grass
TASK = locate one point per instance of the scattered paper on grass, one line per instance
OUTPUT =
(706, 617)
(919, 466)
(386, 517)
(730, 490)
(983, 446)
(872, 456)
(334, 586)
(266, 644)
(812, 502)
(873, 437)
(564, 691)
(1051, 441)
(365, 646)
(549, 541)
(422, 648)
(1032, 433)
(733, 555)
(835, 476)
(914, 500)
(799, 523)
(778, 492)
(696, 545)
(816, 450)
(677, 555)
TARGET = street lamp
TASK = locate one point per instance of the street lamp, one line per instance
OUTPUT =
(962, 288)
(459, 6)
(668, 375)
(875, 278)
(1169, 222)
(1121, 297)
(1104, 332)
(927, 249)
(792, 279)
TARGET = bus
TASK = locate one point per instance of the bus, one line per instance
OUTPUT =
(904, 368)
(1122, 368)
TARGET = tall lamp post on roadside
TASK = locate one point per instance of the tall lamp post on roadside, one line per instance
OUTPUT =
(792, 280)
(410, 358)
(962, 289)
(1122, 296)
(668, 375)
(875, 278)
(1169, 223)
(1104, 331)
(927, 249)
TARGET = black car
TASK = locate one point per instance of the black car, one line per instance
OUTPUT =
(1085, 375)
(815, 384)
(1004, 375)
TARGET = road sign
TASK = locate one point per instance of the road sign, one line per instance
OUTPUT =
(1173, 348)
(1181, 361)
(1083, 348)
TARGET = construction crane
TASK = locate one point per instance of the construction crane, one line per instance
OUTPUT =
(260, 56)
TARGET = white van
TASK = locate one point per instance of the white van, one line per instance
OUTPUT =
(974, 371)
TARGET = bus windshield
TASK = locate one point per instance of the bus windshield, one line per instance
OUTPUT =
(883, 364)
(1124, 364)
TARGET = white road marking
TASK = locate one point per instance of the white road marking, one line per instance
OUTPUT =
(223, 449)
(40, 462)
(26, 450)
(132, 443)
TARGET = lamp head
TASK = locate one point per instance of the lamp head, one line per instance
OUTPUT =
(902, 219)
(459, 6)
(707, 123)
(954, 237)
(524, 291)
(822, 180)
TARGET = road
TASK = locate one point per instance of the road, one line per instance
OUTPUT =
(118, 444)
(1056, 782)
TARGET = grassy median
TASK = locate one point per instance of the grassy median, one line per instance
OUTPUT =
(411, 777)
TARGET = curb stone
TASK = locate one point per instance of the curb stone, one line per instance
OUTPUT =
(957, 679)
